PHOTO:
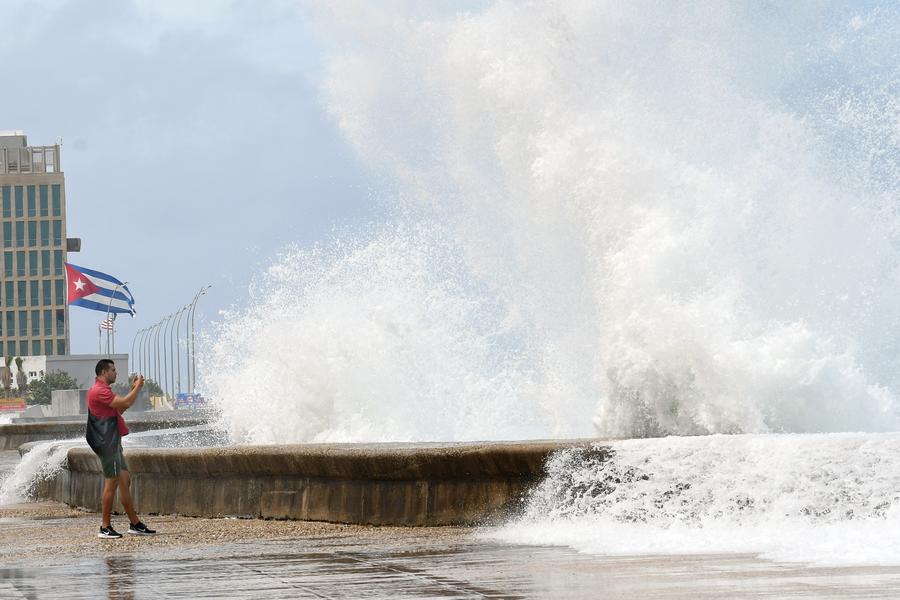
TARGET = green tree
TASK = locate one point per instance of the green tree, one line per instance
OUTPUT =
(21, 378)
(39, 390)
(7, 375)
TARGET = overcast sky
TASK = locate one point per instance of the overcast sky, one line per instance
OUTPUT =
(194, 141)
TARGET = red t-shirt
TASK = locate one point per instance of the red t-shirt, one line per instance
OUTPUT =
(99, 399)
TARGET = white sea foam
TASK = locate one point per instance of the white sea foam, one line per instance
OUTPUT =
(41, 463)
(831, 499)
(646, 219)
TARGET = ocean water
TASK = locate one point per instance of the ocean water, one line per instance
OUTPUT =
(599, 219)
(42, 463)
(670, 225)
(827, 499)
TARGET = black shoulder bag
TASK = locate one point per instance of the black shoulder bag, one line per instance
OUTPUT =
(102, 434)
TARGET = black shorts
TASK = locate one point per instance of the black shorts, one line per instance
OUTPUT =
(113, 463)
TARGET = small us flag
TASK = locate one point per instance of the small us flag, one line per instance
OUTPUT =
(107, 324)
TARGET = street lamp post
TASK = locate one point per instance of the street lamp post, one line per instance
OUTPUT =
(171, 327)
(131, 361)
(178, 347)
(165, 355)
(156, 343)
(111, 330)
(143, 347)
(192, 367)
(147, 355)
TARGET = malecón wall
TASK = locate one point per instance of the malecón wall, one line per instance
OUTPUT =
(377, 484)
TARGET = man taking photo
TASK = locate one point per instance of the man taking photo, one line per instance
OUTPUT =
(105, 428)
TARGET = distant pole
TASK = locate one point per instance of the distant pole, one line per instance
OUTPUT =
(164, 373)
(148, 343)
(131, 361)
(170, 327)
(178, 347)
(156, 342)
(108, 308)
(99, 339)
(139, 363)
(193, 353)
(145, 358)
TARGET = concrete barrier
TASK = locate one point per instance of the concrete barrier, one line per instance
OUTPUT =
(375, 484)
(64, 428)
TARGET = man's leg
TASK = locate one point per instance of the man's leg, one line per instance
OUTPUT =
(125, 495)
(109, 494)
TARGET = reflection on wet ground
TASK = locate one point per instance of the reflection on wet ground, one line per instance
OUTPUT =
(48, 551)
(339, 568)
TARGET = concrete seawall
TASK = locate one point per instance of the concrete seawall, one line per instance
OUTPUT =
(375, 484)
(14, 435)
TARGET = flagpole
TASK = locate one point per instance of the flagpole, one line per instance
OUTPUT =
(108, 308)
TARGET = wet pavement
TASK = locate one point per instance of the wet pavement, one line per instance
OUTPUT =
(466, 569)
(50, 551)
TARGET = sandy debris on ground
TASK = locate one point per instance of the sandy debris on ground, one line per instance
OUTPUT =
(48, 529)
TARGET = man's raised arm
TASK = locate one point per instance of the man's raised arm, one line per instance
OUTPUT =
(123, 403)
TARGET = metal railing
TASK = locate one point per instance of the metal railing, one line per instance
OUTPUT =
(161, 353)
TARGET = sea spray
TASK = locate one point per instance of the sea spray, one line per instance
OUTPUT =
(41, 463)
(380, 340)
(828, 498)
(675, 220)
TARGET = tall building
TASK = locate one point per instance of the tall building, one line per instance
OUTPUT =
(34, 316)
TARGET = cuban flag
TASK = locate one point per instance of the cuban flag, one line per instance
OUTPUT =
(97, 291)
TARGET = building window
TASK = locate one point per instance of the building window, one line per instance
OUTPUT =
(32, 234)
(57, 233)
(11, 348)
(35, 299)
(7, 235)
(2, 349)
(20, 212)
(48, 347)
(45, 233)
(20, 234)
(46, 267)
(60, 291)
(32, 203)
(48, 322)
(45, 201)
(36, 347)
(20, 263)
(57, 202)
(33, 263)
(11, 325)
(7, 203)
(58, 262)
(23, 327)
(36, 325)
(61, 347)
(22, 289)
(10, 293)
(45, 292)
(8, 264)
(61, 322)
